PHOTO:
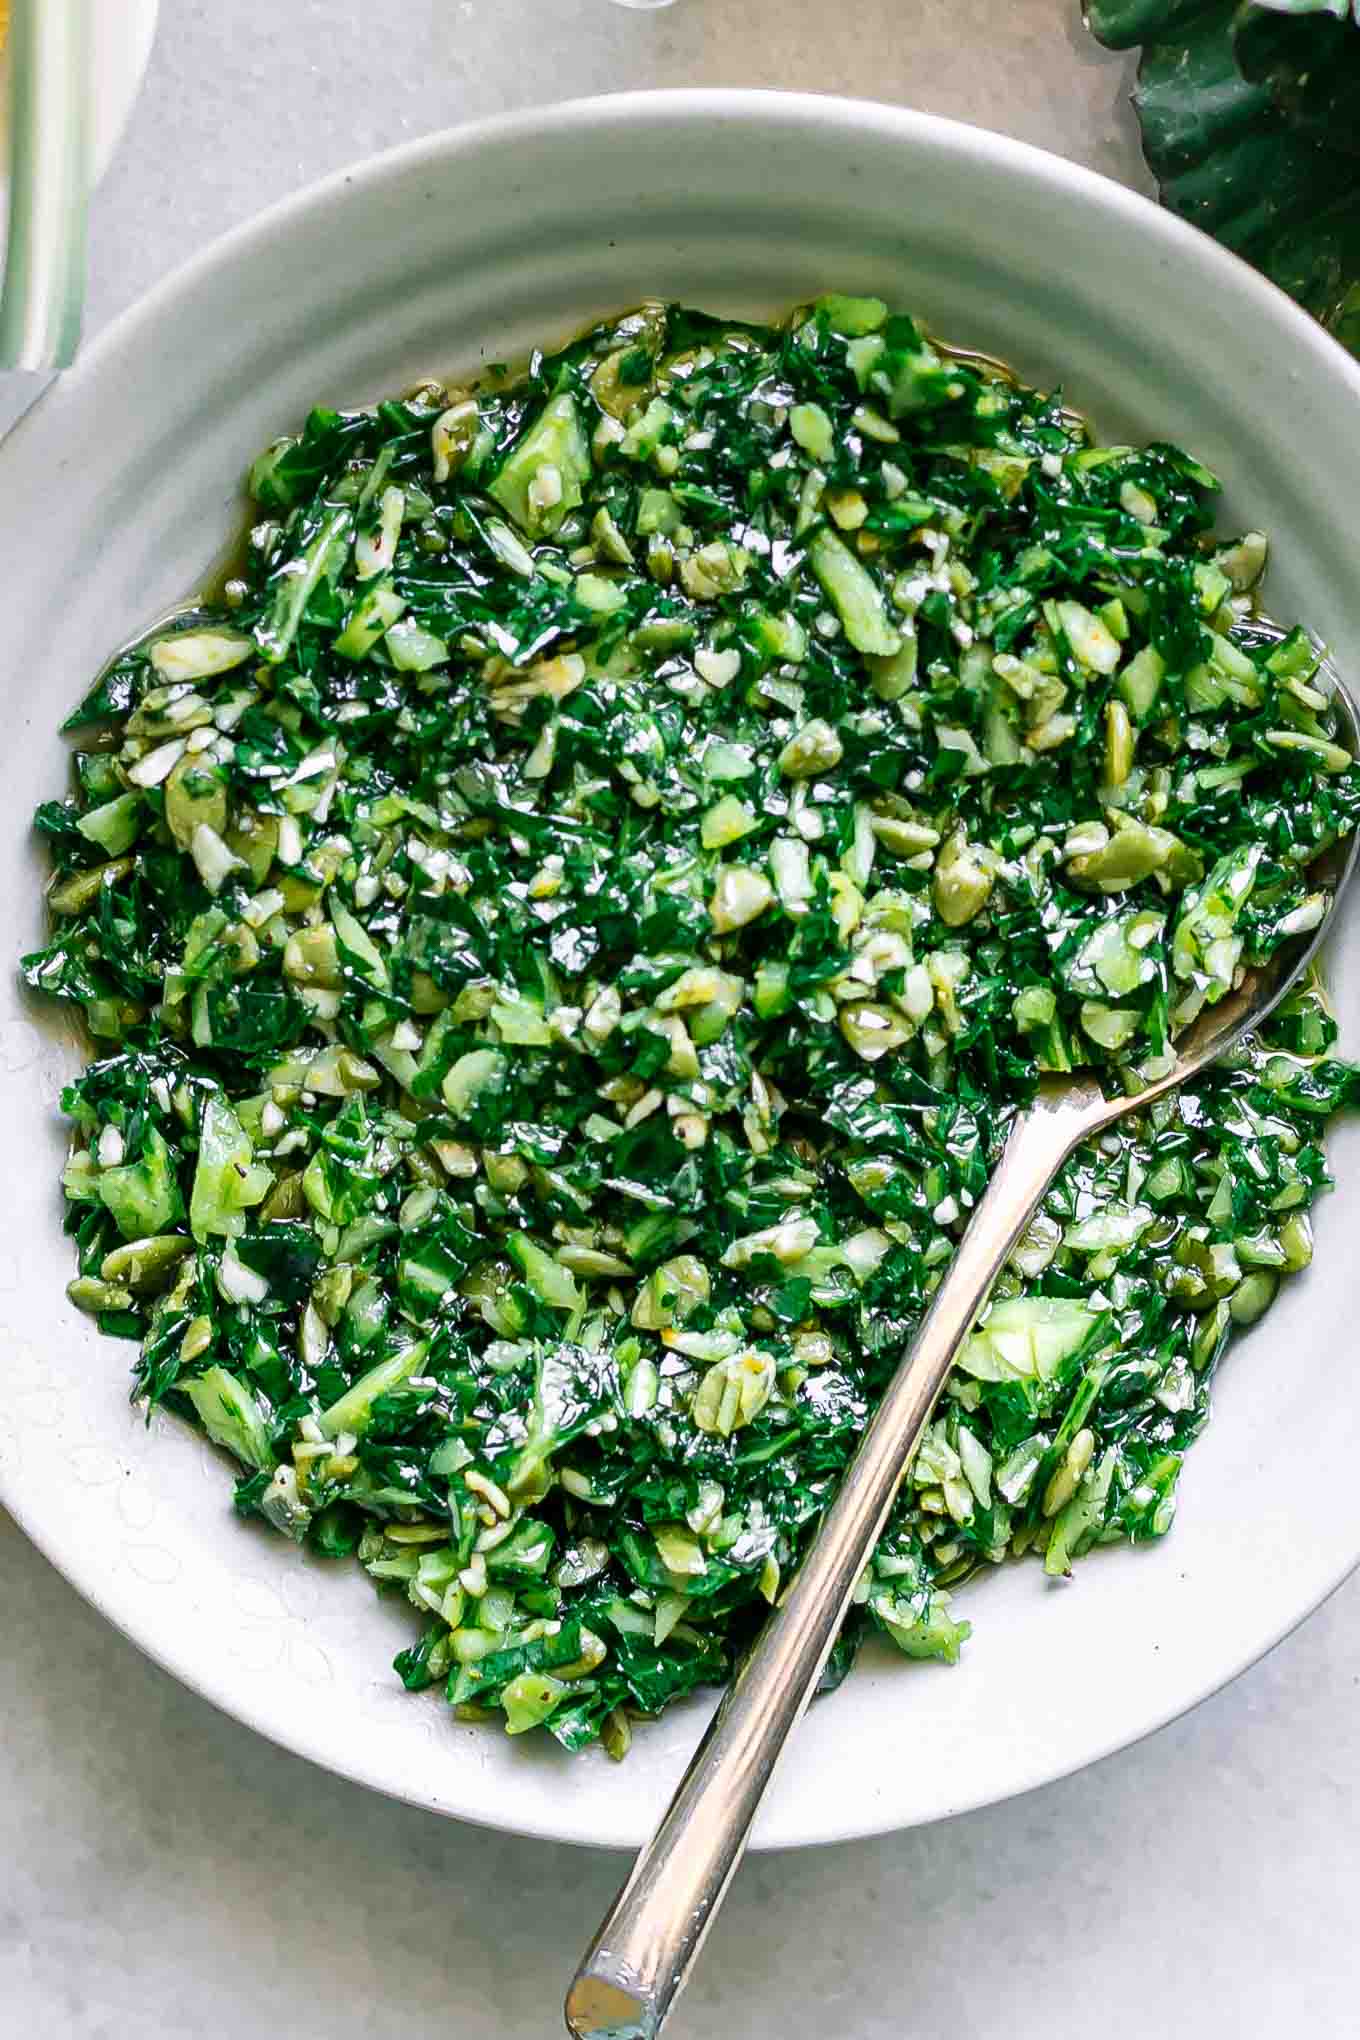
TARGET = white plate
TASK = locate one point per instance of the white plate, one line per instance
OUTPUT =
(121, 487)
(121, 33)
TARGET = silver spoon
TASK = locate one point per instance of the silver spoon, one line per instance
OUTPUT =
(43, 291)
(648, 1942)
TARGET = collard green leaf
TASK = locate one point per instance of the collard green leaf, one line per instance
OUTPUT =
(1251, 125)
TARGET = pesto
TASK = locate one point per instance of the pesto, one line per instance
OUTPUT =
(565, 933)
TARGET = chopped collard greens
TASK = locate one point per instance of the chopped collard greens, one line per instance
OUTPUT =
(564, 933)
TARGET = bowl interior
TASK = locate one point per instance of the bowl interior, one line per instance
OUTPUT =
(116, 496)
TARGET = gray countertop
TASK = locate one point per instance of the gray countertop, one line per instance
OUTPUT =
(165, 1872)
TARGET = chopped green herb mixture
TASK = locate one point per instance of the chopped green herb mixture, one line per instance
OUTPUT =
(565, 933)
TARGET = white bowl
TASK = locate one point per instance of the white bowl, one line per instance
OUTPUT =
(120, 489)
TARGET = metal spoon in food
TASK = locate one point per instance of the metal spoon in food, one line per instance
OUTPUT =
(643, 1951)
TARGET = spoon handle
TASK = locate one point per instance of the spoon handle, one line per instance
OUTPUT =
(643, 1951)
(43, 291)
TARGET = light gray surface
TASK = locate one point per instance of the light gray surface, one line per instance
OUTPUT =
(162, 1870)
